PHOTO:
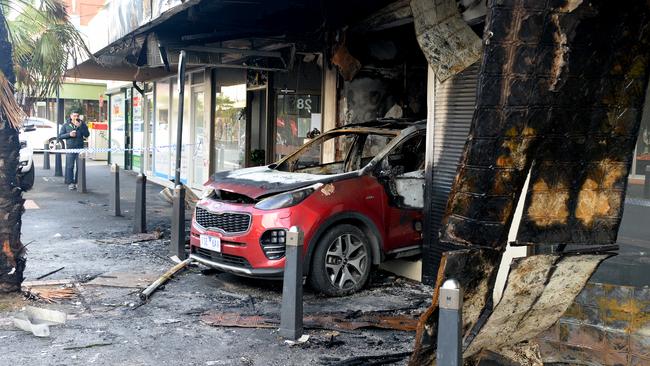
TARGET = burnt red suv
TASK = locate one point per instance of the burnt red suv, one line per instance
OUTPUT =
(356, 192)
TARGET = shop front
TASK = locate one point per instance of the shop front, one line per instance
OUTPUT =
(161, 141)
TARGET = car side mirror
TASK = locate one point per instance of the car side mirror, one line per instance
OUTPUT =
(383, 169)
(394, 159)
(30, 128)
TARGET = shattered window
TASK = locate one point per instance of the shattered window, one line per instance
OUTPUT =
(373, 145)
(327, 155)
(407, 156)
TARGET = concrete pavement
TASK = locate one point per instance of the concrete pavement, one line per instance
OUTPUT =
(108, 326)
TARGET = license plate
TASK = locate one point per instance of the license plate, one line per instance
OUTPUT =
(211, 243)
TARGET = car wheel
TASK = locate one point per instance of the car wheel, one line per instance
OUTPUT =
(53, 145)
(342, 261)
(27, 180)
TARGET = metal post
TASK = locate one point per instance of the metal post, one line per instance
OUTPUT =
(46, 157)
(58, 165)
(115, 191)
(140, 223)
(81, 170)
(450, 325)
(646, 183)
(177, 244)
(179, 127)
(291, 312)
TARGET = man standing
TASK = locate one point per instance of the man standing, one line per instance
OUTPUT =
(73, 132)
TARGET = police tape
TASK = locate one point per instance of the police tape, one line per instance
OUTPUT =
(113, 149)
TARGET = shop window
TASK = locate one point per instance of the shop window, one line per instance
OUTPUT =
(230, 128)
(296, 116)
(161, 134)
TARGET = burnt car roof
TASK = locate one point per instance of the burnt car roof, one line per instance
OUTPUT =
(388, 124)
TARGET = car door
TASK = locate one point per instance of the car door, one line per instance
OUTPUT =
(401, 172)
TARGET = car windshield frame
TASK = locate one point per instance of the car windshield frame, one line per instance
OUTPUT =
(393, 133)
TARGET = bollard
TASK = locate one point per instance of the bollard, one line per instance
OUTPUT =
(81, 171)
(450, 325)
(291, 311)
(58, 165)
(46, 157)
(177, 243)
(115, 191)
(646, 183)
(140, 219)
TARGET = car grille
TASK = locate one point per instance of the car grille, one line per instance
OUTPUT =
(221, 258)
(227, 222)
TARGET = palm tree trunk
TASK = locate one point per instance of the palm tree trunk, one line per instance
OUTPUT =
(12, 253)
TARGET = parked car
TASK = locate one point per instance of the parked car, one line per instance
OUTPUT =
(40, 131)
(26, 166)
(356, 192)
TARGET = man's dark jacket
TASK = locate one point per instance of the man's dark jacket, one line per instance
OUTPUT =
(76, 142)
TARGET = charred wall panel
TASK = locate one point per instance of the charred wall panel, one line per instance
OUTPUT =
(581, 167)
(561, 89)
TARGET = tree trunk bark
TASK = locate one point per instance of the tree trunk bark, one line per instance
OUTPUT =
(12, 252)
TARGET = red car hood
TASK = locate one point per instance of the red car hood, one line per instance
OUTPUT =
(259, 182)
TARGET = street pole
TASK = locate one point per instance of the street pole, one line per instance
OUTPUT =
(58, 165)
(291, 311)
(450, 325)
(177, 243)
(140, 218)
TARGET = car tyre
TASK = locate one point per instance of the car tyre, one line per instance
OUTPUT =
(53, 145)
(342, 261)
(27, 180)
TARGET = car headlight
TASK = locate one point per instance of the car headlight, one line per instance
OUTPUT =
(208, 192)
(286, 199)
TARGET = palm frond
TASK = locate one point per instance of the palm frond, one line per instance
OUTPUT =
(9, 108)
(44, 41)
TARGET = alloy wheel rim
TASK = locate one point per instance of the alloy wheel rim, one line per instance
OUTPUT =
(346, 261)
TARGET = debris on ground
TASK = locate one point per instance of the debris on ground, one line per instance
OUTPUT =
(385, 359)
(135, 238)
(331, 321)
(146, 293)
(91, 345)
(38, 320)
(50, 295)
(123, 279)
(303, 338)
(47, 283)
(49, 273)
(167, 195)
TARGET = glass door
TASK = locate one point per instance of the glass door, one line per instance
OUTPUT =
(199, 161)
(137, 109)
(149, 132)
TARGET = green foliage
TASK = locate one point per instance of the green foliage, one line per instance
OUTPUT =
(44, 42)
